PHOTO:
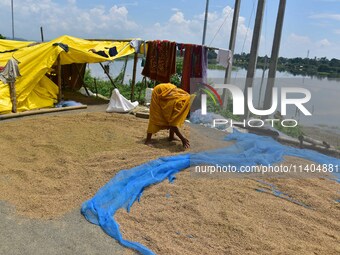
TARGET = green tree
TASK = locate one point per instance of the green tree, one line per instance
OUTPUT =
(212, 54)
(2, 37)
(324, 68)
(334, 62)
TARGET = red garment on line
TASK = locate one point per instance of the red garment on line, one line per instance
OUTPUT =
(160, 61)
(194, 65)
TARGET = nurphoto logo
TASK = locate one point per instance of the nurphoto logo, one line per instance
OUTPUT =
(238, 99)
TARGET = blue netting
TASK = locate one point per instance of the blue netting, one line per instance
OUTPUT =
(251, 149)
(124, 189)
(128, 185)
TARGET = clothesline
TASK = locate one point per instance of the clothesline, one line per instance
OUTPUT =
(177, 44)
(160, 63)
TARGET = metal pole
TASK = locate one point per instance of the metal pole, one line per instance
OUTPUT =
(253, 53)
(205, 22)
(262, 79)
(274, 55)
(12, 19)
(227, 76)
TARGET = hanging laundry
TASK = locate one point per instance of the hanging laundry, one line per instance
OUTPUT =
(10, 72)
(224, 57)
(160, 61)
(136, 45)
(195, 64)
(8, 76)
(204, 65)
(111, 52)
(180, 47)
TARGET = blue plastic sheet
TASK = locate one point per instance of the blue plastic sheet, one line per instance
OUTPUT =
(128, 185)
(67, 104)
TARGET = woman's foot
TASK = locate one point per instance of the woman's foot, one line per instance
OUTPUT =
(185, 143)
(170, 139)
(148, 143)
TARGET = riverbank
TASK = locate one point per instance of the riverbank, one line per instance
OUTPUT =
(329, 135)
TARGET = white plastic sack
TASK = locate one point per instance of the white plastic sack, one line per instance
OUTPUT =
(82, 91)
(118, 103)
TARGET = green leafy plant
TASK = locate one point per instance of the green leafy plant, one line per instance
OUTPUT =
(290, 131)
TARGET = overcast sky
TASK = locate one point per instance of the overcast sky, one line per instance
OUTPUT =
(312, 25)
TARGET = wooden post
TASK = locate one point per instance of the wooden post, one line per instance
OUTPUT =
(59, 79)
(133, 82)
(79, 71)
(82, 80)
(13, 95)
(124, 68)
(95, 87)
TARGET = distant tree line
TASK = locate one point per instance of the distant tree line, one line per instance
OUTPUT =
(2, 37)
(320, 67)
(296, 66)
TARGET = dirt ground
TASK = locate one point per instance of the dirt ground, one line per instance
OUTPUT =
(52, 163)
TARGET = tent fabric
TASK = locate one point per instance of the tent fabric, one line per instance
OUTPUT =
(128, 185)
(36, 62)
(12, 45)
(119, 103)
(10, 71)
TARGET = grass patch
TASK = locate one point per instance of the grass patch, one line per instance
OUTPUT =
(290, 131)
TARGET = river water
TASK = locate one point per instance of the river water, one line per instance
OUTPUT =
(324, 104)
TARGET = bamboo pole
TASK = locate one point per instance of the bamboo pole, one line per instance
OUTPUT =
(82, 80)
(41, 111)
(124, 68)
(133, 82)
(95, 86)
(13, 95)
(108, 75)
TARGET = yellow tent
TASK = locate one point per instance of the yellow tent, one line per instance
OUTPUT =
(11, 45)
(34, 89)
